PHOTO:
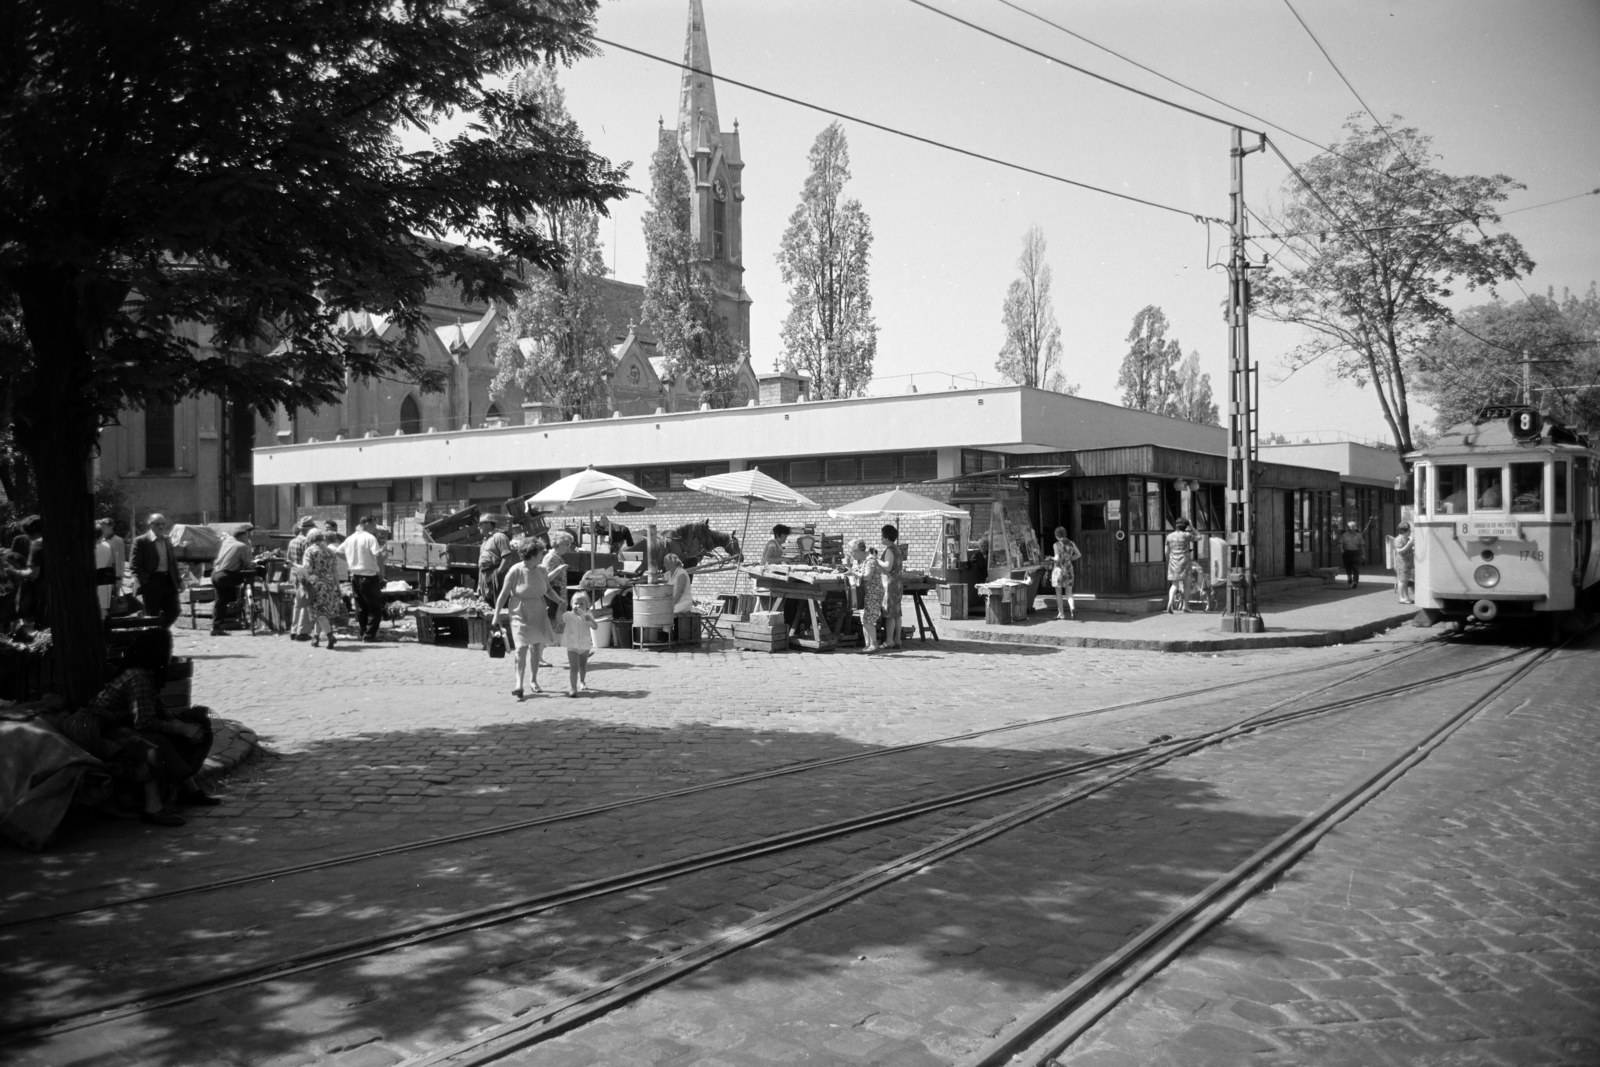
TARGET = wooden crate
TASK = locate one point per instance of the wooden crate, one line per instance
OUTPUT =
(758, 637)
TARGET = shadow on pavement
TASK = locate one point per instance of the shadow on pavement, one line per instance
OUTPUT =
(1027, 911)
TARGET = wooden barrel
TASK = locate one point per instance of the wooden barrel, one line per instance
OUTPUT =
(652, 606)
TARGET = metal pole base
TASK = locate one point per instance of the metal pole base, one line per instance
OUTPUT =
(1242, 624)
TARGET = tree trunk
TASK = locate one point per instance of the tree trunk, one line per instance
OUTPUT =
(57, 429)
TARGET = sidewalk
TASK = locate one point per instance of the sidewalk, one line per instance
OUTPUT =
(1296, 615)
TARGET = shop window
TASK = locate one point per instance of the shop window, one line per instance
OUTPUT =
(713, 468)
(410, 415)
(879, 469)
(1561, 487)
(840, 471)
(652, 478)
(1135, 504)
(919, 466)
(444, 489)
(1527, 488)
(978, 461)
(1450, 490)
(1488, 492)
(327, 494)
(1091, 517)
(805, 472)
(160, 439)
(678, 475)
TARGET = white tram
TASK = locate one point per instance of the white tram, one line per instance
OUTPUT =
(1504, 520)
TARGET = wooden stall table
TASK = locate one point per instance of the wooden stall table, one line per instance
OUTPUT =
(438, 625)
(916, 589)
(817, 589)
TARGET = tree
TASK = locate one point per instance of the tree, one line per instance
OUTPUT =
(1149, 374)
(823, 258)
(1383, 239)
(1477, 360)
(1191, 400)
(234, 170)
(1031, 354)
(679, 299)
(554, 343)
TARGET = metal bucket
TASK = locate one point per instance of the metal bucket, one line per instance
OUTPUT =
(652, 606)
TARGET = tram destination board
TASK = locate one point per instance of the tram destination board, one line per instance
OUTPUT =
(1524, 422)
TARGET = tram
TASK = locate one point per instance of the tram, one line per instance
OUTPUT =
(1505, 515)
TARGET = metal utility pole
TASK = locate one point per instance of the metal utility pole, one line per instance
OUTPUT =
(1241, 615)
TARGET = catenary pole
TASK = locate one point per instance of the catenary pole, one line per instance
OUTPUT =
(1242, 615)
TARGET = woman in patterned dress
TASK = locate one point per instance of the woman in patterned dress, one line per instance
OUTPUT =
(868, 572)
(322, 585)
(1062, 573)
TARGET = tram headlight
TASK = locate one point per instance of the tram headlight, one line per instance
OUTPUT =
(1487, 576)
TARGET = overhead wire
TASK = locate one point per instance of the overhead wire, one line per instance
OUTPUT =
(1073, 66)
(1550, 203)
(917, 137)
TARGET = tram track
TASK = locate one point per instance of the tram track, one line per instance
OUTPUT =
(1139, 759)
(589, 811)
(1129, 964)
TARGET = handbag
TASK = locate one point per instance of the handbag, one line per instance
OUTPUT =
(497, 644)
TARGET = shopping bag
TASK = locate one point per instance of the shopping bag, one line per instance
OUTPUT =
(497, 644)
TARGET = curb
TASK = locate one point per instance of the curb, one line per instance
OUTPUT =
(232, 744)
(1298, 639)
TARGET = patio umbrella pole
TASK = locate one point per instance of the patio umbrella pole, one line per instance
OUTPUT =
(738, 575)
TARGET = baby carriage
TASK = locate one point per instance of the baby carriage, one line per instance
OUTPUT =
(1202, 589)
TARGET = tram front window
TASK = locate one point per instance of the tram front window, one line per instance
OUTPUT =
(1561, 487)
(1450, 488)
(1490, 493)
(1527, 487)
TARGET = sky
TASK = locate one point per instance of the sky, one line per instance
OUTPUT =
(1503, 88)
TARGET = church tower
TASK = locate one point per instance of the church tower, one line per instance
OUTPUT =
(711, 159)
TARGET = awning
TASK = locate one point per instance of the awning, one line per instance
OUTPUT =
(1042, 472)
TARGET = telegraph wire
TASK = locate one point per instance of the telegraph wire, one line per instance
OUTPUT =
(1549, 203)
(919, 138)
(1081, 70)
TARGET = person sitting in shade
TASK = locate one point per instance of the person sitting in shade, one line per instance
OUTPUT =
(773, 553)
(680, 581)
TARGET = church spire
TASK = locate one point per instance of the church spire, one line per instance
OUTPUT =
(697, 102)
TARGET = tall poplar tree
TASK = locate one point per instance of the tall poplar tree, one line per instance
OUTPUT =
(679, 300)
(1149, 374)
(1031, 354)
(824, 258)
(1192, 401)
(553, 343)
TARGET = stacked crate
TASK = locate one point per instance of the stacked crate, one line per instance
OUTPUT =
(764, 632)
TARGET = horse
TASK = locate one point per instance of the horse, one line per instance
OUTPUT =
(692, 542)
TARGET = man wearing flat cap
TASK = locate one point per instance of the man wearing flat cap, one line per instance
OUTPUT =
(227, 575)
(300, 624)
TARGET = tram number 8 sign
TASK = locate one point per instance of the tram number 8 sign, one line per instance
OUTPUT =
(1524, 423)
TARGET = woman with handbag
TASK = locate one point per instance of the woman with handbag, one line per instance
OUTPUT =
(527, 593)
(321, 569)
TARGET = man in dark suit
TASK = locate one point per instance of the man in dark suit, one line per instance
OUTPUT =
(155, 566)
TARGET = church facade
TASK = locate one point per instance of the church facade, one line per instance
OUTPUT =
(192, 460)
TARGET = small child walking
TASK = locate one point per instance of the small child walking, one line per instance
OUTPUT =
(577, 637)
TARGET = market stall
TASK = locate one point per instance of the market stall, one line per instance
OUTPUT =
(900, 504)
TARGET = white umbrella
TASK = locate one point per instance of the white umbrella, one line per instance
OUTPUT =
(587, 492)
(750, 486)
(898, 502)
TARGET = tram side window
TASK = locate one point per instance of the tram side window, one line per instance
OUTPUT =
(1490, 493)
(1561, 487)
(1527, 488)
(1450, 490)
(1420, 474)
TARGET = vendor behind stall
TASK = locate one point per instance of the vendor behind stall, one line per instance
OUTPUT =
(773, 553)
(496, 547)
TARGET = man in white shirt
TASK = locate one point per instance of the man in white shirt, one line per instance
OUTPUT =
(227, 575)
(365, 557)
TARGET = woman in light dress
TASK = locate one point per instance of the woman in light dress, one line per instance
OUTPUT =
(869, 573)
(527, 595)
(105, 571)
(1405, 558)
(321, 568)
(1062, 573)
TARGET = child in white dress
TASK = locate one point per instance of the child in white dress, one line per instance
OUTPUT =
(577, 637)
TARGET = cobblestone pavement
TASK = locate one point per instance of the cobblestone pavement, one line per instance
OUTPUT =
(391, 742)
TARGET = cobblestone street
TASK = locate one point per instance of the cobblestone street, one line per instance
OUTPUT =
(1452, 918)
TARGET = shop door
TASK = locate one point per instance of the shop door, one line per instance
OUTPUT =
(1097, 520)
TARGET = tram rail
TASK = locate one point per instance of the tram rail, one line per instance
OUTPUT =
(1139, 759)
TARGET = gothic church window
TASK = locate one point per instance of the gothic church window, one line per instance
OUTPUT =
(719, 228)
(410, 416)
(160, 443)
